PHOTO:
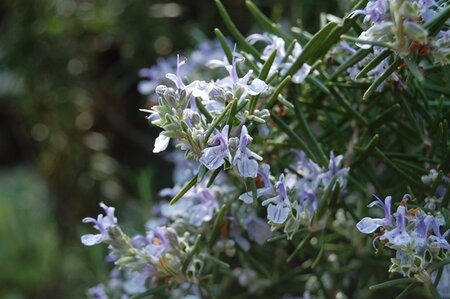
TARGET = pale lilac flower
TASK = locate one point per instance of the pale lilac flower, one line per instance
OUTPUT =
(438, 240)
(311, 172)
(368, 225)
(282, 62)
(102, 224)
(197, 206)
(135, 282)
(239, 86)
(267, 188)
(206, 207)
(214, 157)
(176, 78)
(398, 236)
(161, 143)
(443, 286)
(257, 229)
(256, 87)
(375, 11)
(244, 158)
(98, 292)
(335, 170)
(279, 206)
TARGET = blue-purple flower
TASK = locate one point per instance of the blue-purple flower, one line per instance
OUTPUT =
(398, 236)
(103, 223)
(368, 225)
(266, 189)
(214, 157)
(245, 159)
(279, 206)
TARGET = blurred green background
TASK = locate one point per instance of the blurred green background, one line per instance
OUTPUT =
(71, 134)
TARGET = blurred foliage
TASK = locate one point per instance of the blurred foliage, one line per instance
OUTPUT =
(69, 109)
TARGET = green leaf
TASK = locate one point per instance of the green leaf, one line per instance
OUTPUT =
(218, 262)
(213, 177)
(263, 76)
(384, 117)
(444, 140)
(325, 199)
(265, 22)
(299, 247)
(317, 83)
(267, 65)
(373, 63)
(391, 283)
(217, 120)
(438, 21)
(149, 293)
(311, 48)
(203, 109)
(185, 189)
(414, 69)
(312, 142)
(274, 97)
(218, 222)
(295, 138)
(191, 253)
(365, 42)
(391, 68)
(224, 44)
(433, 291)
(367, 150)
(240, 39)
(391, 164)
(319, 255)
(341, 99)
(406, 291)
(354, 59)
(412, 119)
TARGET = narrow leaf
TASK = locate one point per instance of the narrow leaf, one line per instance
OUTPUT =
(436, 23)
(185, 189)
(354, 59)
(223, 42)
(217, 225)
(384, 117)
(311, 47)
(373, 63)
(191, 253)
(295, 138)
(299, 247)
(240, 39)
(265, 22)
(312, 142)
(391, 283)
(274, 97)
(414, 69)
(391, 68)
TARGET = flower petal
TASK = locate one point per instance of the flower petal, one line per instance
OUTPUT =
(161, 143)
(91, 239)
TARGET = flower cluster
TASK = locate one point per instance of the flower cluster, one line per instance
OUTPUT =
(401, 24)
(195, 67)
(143, 260)
(414, 234)
(300, 189)
(284, 58)
(187, 112)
